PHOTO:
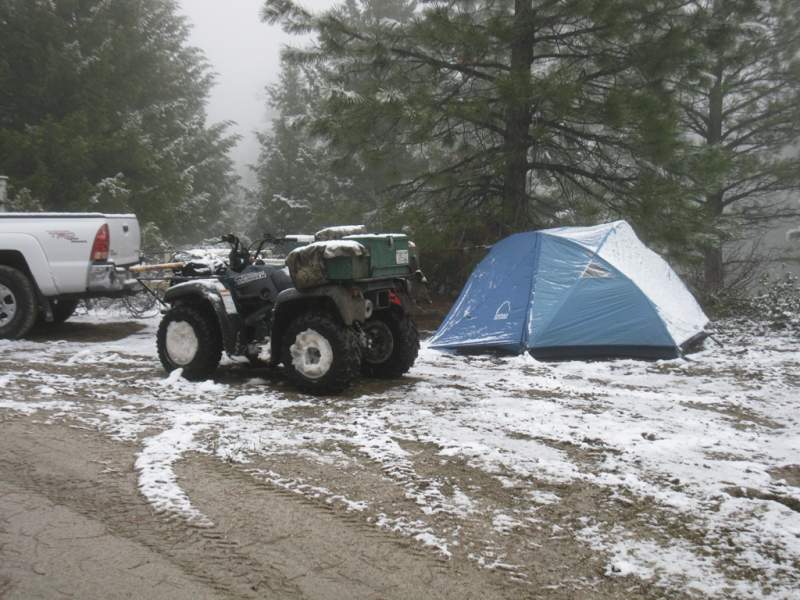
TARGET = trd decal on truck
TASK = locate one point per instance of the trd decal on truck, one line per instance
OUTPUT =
(64, 234)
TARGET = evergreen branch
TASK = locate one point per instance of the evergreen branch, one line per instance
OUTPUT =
(767, 188)
(697, 117)
(421, 180)
(750, 101)
(557, 37)
(573, 170)
(760, 120)
(415, 54)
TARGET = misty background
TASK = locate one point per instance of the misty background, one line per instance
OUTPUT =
(244, 53)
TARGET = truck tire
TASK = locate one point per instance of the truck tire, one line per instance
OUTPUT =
(320, 355)
(189, 338)
(62, 309)
(18, 305)
(392, 344)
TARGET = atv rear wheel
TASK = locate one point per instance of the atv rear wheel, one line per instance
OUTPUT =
(189, 339)
(392, 344)
(319, 354)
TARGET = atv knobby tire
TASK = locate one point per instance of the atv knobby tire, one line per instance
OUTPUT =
(189, 338)
(320, 355)
(19, 307)
(404, 345)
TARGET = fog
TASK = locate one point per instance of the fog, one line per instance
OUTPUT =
(244, 53)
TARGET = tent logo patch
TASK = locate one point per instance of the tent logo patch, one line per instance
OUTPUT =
(503, 311)
(595, 270)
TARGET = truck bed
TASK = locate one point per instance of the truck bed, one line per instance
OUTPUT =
(57, 247)
(124, 230)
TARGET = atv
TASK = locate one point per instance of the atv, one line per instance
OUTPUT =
(339, 309)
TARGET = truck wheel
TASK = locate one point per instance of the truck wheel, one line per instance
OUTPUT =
(392, 344)
(188, 338)
(319, 354)
(62, 310)
(18, 304)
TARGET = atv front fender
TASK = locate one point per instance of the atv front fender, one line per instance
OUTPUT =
(214, 295)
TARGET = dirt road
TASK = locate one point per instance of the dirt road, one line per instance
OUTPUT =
(73, 525)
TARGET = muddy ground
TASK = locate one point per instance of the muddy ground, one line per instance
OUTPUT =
(73, 525)
(117, 483)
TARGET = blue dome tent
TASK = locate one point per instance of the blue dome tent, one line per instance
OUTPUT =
(574, 292)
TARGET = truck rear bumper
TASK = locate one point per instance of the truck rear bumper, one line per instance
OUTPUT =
(110, 280)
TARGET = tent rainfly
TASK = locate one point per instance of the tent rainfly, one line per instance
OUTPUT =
(574, 292)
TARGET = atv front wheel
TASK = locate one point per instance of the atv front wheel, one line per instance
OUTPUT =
(319, 354)
(392, 344)
(189, 339)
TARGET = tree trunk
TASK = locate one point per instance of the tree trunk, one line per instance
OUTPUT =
(714, 267)
(714, 273)
(518, 118)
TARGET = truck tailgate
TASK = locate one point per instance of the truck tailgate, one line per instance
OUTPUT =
(125, 239)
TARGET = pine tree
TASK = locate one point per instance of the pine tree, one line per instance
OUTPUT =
(346, 184)
(515, 111)
(741, 113)
(366, 156)
(102, 108)
(288, 170)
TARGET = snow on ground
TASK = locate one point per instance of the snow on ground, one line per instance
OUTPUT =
(708, 447)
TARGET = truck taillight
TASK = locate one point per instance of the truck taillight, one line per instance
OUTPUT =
(101, 243)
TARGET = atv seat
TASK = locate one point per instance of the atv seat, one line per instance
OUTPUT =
(280, 279)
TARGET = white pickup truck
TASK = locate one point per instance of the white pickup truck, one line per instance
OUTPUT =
(49, 261)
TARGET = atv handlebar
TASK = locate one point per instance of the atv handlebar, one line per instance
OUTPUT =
(241, 255)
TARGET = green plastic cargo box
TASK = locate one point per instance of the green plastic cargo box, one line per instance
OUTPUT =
(345, 268)
(388, 253)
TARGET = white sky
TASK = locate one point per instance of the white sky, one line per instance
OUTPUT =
(244, 52)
